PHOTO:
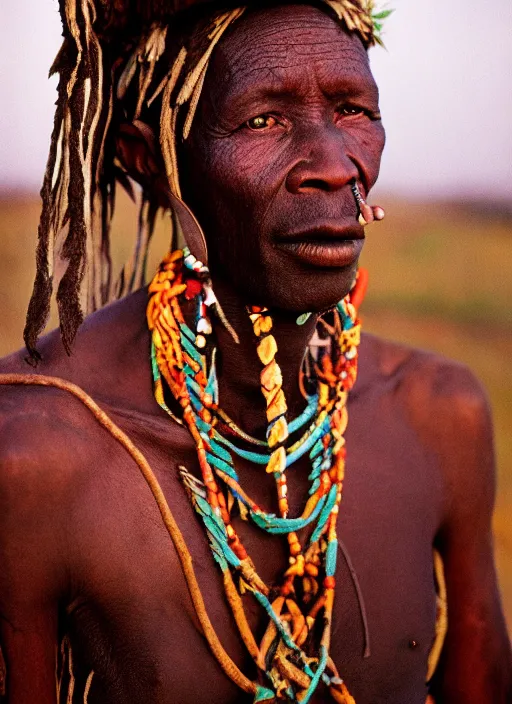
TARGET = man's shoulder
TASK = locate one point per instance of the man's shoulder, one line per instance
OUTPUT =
(44, 440)
(424, 376)
(444, 403)
(109, 356)
(41, 422)
(45, 436)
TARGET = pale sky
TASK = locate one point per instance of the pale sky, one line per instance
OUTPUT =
(445, 80)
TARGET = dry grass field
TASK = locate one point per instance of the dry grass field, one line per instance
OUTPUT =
(441, 279)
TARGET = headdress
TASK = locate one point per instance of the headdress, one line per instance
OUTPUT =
(120, 59)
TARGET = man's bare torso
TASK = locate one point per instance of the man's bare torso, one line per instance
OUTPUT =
(122, 595)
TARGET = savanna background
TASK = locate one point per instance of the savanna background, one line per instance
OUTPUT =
(440, 264)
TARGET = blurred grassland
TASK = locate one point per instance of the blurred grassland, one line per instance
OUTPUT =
(440, 279)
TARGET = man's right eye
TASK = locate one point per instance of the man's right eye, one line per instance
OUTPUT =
(261, 122)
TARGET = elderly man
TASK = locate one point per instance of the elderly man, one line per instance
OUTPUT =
(172, 526)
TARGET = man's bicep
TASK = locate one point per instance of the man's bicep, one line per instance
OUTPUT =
(32, 573)
(28, 621)
(475, 666)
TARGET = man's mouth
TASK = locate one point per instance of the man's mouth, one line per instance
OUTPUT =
(327, 245)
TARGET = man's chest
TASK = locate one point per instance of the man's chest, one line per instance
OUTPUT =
(134, 622)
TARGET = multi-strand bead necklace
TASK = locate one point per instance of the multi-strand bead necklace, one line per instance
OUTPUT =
(293, 655)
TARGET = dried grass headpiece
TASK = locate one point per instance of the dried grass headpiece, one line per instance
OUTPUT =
(119, 59)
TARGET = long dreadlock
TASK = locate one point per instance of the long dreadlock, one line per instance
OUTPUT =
(119, 59)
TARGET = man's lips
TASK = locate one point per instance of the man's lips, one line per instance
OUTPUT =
(324, 245)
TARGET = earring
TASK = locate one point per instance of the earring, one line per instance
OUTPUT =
(207, 302)
(367, 214)
(192, 232)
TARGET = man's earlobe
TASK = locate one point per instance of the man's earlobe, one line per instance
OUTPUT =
(137, 151)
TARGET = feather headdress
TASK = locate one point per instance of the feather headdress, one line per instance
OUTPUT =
(157, 52)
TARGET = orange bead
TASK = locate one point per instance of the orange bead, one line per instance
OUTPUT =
(312, 570)
(295, 549)
(286, 589)
(329, 582)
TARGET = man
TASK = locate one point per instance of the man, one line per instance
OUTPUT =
(277, 161)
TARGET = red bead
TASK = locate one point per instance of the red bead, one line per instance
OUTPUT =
(194, 288)
(329, 582)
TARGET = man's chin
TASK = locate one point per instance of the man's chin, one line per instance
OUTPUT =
(307, 300)
(314, 291)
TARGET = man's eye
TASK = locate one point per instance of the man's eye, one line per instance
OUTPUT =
(350, 111)
(261, 122)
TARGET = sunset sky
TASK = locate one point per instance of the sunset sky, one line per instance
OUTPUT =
(445, 79)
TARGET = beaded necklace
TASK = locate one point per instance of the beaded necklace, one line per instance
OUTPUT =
(290, 658)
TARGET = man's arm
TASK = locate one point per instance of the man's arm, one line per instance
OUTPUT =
(476, 663)
(29, 645)
(31, 565)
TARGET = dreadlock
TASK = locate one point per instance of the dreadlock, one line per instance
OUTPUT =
(120, 59)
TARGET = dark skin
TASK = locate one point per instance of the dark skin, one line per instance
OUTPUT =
(81, 540)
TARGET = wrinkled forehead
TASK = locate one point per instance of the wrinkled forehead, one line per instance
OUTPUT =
(282, 44)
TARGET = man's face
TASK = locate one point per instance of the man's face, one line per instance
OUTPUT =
(287, 120)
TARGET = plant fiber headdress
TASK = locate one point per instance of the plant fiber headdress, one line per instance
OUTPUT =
(121, 59)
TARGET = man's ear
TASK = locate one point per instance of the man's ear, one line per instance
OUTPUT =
(137, 152)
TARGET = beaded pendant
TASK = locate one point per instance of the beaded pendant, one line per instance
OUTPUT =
(292, 658)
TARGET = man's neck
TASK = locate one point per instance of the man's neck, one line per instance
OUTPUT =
(238, 366)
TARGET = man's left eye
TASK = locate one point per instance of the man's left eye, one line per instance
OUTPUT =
(350, 111)
(261, 122)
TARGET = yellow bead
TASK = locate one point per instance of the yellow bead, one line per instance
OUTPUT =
(278, 406)
(159, 392)
(338, 446)
(269, 396)
(271, 376)
(277, 462)
(157, 339)
(283, 506)
(295, 548)
(263, 325)
(279, 432)
(267, 349)
(324, 395)
(297, 569)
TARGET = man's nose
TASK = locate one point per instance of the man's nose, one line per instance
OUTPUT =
(328, 166)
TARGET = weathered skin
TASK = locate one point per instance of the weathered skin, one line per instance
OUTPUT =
(82, 545)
